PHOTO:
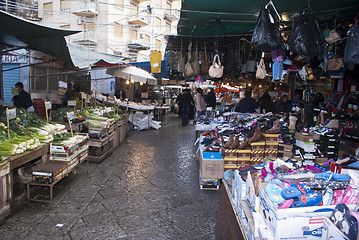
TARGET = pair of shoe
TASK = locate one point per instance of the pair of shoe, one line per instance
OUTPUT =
(275, 128)
(256, 136)
(302, 195)
(346, 221)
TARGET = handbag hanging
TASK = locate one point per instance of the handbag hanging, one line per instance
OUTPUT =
(351, 52)
(204, 60)
(261, 70)
(195, 63)
(181, 62)
(188, 69)
(216, 69)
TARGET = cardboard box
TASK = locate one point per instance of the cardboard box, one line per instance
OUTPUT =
(270, 137)
(251, 196)
(258, 221)
(264, 233)
(257, 145)
(306, 146)
(271, 153)
(285, 147)
(306, 138)
(293, 223)
(330, 231)
(272, 145)
(212, 168)
(230, 152)
(243, 153)
(240, 185)
(282, 154)
(212, 155)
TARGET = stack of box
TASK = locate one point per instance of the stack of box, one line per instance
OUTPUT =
(307, 145)
(236, 158)
(285, 150)
(329, 144)
(257, 151)
(271, 147)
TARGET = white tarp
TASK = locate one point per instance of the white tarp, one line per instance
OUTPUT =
(83, 57)
(132, 73)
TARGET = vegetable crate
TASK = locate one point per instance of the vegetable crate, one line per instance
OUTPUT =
(97, 133)
(5, 189)
(69, 156)
(100, 149)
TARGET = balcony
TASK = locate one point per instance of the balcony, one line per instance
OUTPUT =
(139, 21)
(173, 15)
(86, 9)
(137, 45)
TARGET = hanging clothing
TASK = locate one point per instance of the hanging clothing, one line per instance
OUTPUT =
(155, 61)
(277, 70)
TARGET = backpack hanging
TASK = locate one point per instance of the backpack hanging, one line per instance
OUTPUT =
(261, 70)
(306, 38)
(266, 35)
(216, 69)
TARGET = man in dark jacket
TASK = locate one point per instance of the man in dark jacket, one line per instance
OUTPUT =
(247, 104)
(23, 100)
(211, 99)
(283, 105)
(187, 102)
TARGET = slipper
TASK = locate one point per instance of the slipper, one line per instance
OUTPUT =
(337, 197)
(296, 190)
(328, 176)
(308, 200)
(285, 204)
(340, 214)
(273, 192)
(327, 196)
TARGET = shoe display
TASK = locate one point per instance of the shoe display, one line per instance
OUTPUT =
(230, 141)
(275, 128)
(244, 143)
(256, 136)
(235, 143)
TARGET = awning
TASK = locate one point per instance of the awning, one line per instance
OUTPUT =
(132, 73)
(233, 17)
(82, 57)
(147, 66)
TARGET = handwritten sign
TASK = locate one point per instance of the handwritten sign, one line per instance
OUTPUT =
(11, 113)
(71, 103)
(48, 105)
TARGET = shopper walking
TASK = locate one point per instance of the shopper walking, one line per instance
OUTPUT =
(247, 104)
(186, 103)
(200, 102)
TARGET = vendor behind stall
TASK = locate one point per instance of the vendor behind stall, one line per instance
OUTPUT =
(23, 100)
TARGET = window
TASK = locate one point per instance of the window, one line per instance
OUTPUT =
(168, 7)
(158, 23)
(134, 35)
(53, 79)
(46, 78)
(158, 45)
(119, 4)
(67, 26)
(64, 4)
(40, 80)
(133, 11)
(47, 9)
(147, 39)
(118, 30)
(168, 28)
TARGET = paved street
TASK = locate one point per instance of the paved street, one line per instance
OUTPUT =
(147, 189)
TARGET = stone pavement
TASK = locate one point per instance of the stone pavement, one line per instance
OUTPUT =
(147, 189)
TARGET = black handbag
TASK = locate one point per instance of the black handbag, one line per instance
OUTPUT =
(266, 35)
(351, 52)
(306, 38)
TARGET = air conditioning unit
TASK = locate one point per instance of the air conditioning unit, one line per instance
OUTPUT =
(142, 36)
(80, 21)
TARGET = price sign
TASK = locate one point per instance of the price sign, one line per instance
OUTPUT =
(83, 95)
(71, 116)
(11, 113)
(48, 105)
(71, 103)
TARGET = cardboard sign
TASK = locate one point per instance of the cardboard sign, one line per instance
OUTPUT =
(71, 103)
(11, 113)
(71, 115)
(48, 105)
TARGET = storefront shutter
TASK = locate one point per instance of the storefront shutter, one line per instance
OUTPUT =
(9, 80)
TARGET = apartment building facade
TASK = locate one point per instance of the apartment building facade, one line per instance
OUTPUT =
(130, 28)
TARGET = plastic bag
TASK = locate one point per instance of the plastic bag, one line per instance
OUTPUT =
(306, 39)
(351, 52)
(266, 35)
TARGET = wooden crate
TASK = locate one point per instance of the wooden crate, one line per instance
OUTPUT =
(271, 153)
(229, 152)
(5, 189)
(257, 153)
(257, 145)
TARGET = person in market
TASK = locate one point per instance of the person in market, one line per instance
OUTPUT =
(211, 99)
(186, 104)
(283, 105)
(266, 103)
(179, 103)
(247, 104)
(23, 100)
(200, 102)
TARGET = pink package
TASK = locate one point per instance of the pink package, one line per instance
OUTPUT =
(337, 197)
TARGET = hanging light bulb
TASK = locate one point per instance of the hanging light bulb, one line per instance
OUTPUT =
(132, 81)
(249, 84)
(141, 83)
(127, 82)
(260, 86)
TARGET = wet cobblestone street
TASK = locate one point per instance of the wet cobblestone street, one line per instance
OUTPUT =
(147, 189)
